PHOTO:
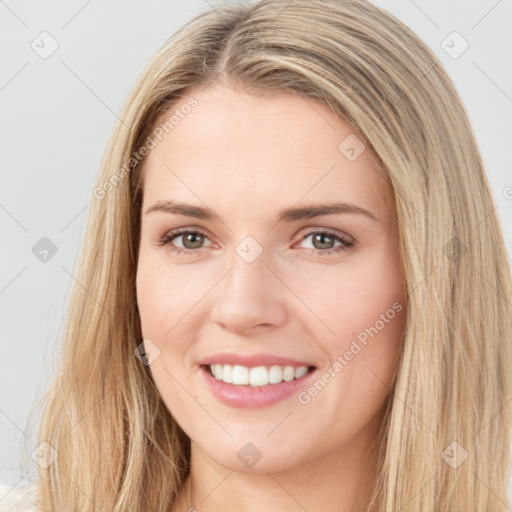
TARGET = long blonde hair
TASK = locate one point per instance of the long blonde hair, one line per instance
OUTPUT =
(447, 431)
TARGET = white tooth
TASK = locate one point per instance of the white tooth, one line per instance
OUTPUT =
(240, 375)
(217, 371)
(258, 376)
(227, 374)
(288, 373)
(275, 375)
(300, 371)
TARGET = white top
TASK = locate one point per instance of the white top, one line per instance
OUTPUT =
(18, 499)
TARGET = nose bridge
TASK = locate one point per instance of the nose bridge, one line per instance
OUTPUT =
(249, 275)
(248, 296)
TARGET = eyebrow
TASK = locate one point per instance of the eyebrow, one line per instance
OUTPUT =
(288, 214)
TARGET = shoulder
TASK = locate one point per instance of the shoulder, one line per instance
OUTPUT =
(18, 499)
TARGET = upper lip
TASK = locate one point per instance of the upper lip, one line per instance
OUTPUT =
(251, 360)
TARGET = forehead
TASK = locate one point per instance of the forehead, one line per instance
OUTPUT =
(245, 149)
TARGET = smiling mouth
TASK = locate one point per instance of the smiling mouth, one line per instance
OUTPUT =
(257, 376)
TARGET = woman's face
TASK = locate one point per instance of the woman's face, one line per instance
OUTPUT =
(247, 287)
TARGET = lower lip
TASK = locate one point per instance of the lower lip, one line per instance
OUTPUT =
(252, 397)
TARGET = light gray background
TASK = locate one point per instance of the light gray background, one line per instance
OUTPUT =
(57, 113)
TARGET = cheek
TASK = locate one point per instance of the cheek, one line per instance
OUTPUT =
(358, 321)
(168, 298)
(163, 303)
(155, 305)
(349, 300)
(164, 295)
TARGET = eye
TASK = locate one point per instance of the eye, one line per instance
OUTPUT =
(323, 241)
(191, 240)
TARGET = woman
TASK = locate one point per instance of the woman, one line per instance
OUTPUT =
(294, 291)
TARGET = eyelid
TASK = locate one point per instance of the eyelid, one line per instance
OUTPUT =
(176, 233)
(313, 229)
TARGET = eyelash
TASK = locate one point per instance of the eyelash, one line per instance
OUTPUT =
(168, 237)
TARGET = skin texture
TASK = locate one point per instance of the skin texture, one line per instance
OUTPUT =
(246, 157)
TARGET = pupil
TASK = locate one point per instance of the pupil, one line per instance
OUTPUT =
(321, 237)
(191, 236)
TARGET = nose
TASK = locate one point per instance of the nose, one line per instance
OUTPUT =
(249, 298)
